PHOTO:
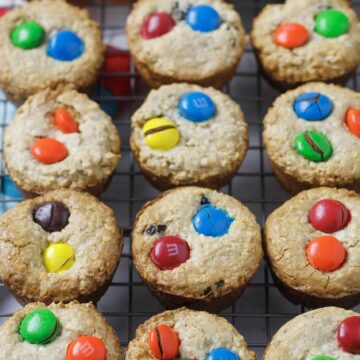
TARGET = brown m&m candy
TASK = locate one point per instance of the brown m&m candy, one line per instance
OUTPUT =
(326, 253)
(51, 215)
(164, 342)
(329, 215)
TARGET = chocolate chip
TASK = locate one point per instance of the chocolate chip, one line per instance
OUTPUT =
(151, 229)
(161, 228)
(207, 291)
(51, 215)
(204, 200)
(219, 283)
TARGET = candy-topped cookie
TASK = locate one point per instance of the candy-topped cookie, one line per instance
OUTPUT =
(46, 43)
(61, 139)
(67, 243)
(58, 332)
(302, 41)
(198, 41)
(188, 334)
(189, 135)
(313, 248)
(325, 334)
(196, 247)
(312, 137)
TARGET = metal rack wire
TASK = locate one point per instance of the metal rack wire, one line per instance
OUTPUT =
(261, 310)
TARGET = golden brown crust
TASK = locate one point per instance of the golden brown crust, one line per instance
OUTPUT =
(309, 335)
(204, 281)
(92, 232)
(47, 72)
(286, 235)
(198, 331)
(178, 64)
(91, 161)
(208, 153)
(288, 68)
(75, 319)
(282, 125)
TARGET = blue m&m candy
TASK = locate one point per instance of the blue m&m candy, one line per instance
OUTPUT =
(222, 354)
(196, 106)
(313, 106)
(203, 18)
(212, 221)
(65, 45)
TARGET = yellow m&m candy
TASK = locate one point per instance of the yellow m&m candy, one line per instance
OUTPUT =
(161, 134)
(58, 258)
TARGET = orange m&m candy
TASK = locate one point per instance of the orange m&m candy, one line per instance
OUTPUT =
(291, 35)
(49, 151)
(65, 122)
(352, 119)
(326, 253)
(164, 342)
(86, 348)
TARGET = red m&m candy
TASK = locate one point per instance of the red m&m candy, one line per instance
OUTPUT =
(49, 151)
(164, 342)
(86, 348)
(65, 122)
(352, 119)
(348, 335)
(169, 252)
(291, 35)
(326, 253)
(4, 10)
(329, 215)
(156, 25)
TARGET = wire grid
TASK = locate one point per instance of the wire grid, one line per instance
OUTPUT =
(128, 303)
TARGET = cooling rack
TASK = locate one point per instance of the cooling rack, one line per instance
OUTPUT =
(260, 312)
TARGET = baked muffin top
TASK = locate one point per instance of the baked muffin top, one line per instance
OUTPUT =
(321, 42)
(196, 242)
(199, 333)
(75, 321)
(188, 49)
(90, 151)
(203, 149)
(314, 218)
(315, 334)
(30, 235)
(311, 133)
(47, 56)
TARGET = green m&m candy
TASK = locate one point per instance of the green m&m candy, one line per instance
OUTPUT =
(322, 357)
(313, 146)
(39, 327)
(27, 35)
(331, 23)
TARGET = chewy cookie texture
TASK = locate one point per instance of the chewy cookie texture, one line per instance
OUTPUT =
(196, 247)
(67, 243)
(313, 249)
(188, 334)
(325, 334)
(50, 144)
(58, 331)
(311, 135)
(303, 41)
(188, 135)
(45, 43)
(185, 41)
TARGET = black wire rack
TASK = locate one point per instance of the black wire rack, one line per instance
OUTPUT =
(128, 303)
